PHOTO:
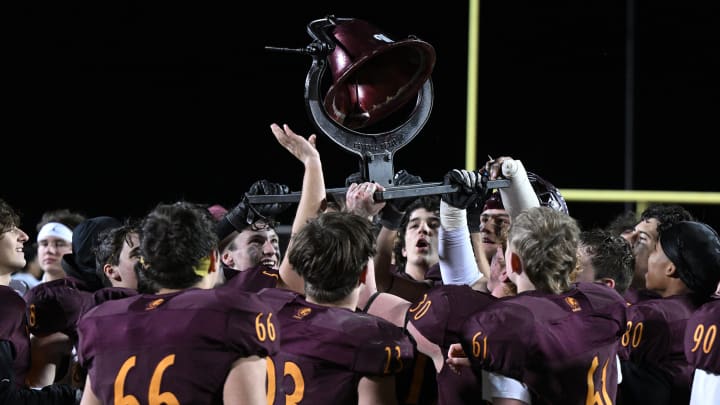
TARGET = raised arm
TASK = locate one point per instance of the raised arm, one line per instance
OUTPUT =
(520, 195)
(457, 259)
(312, 199)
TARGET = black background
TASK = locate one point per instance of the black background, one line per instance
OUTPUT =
(115, 106)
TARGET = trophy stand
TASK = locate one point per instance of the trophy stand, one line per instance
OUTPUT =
(375, 150)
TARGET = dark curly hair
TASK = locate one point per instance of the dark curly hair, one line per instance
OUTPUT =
(174, 238)
(8, 217)
(666, 215)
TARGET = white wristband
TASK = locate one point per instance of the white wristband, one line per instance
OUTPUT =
(452, 217)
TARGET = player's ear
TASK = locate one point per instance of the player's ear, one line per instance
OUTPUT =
(515, 263)
(227, 259)
(214, 262)
(363, 274)
(110, 272)
(608, 282)
(671, 270)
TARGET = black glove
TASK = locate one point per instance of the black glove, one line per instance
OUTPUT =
(264, 187)
(469, 186)
(391, 215)
(245, 213)
(475, 209)
(403, 178)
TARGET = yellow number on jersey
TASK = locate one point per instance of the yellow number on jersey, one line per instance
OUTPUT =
(593, 396)
(706, 337)
(291, 370)
(264, 332)
(155, 397)
(421, 308)
(632, 335)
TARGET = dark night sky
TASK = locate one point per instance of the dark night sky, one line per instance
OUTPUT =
(195, 80)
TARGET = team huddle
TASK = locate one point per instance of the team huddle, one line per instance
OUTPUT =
(474, 296)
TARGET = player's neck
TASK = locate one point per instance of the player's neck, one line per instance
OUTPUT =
(168, 290)
(53, 275)
(5, 279)
(673, 287)
(524, 284)
(349, 302)
(205, 284)
(415, 271)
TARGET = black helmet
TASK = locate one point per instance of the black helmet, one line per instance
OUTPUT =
(548, 194)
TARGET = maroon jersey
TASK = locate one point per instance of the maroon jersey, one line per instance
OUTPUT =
(56, 306)
(180, 345)
(253, 279)
(432, 274)
(562, 346)
(439, 317)
(13, 328)
(111, 293)
(229, 272)
(654, 340)
(635, 295)
(416, 383)
(701, 338)
(325, 351)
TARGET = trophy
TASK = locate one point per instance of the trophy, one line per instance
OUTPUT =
(380, 98)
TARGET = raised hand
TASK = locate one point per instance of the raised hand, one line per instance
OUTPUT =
(359, 199)
(493, 167)
(303, 149)
(469, 186)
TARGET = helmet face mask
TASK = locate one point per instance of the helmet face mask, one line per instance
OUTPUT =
(548, 195)
(553, 200)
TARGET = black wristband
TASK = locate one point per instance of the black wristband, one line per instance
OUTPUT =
(234, 220)
(390, 217)
(473, 221)
(238, 215)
